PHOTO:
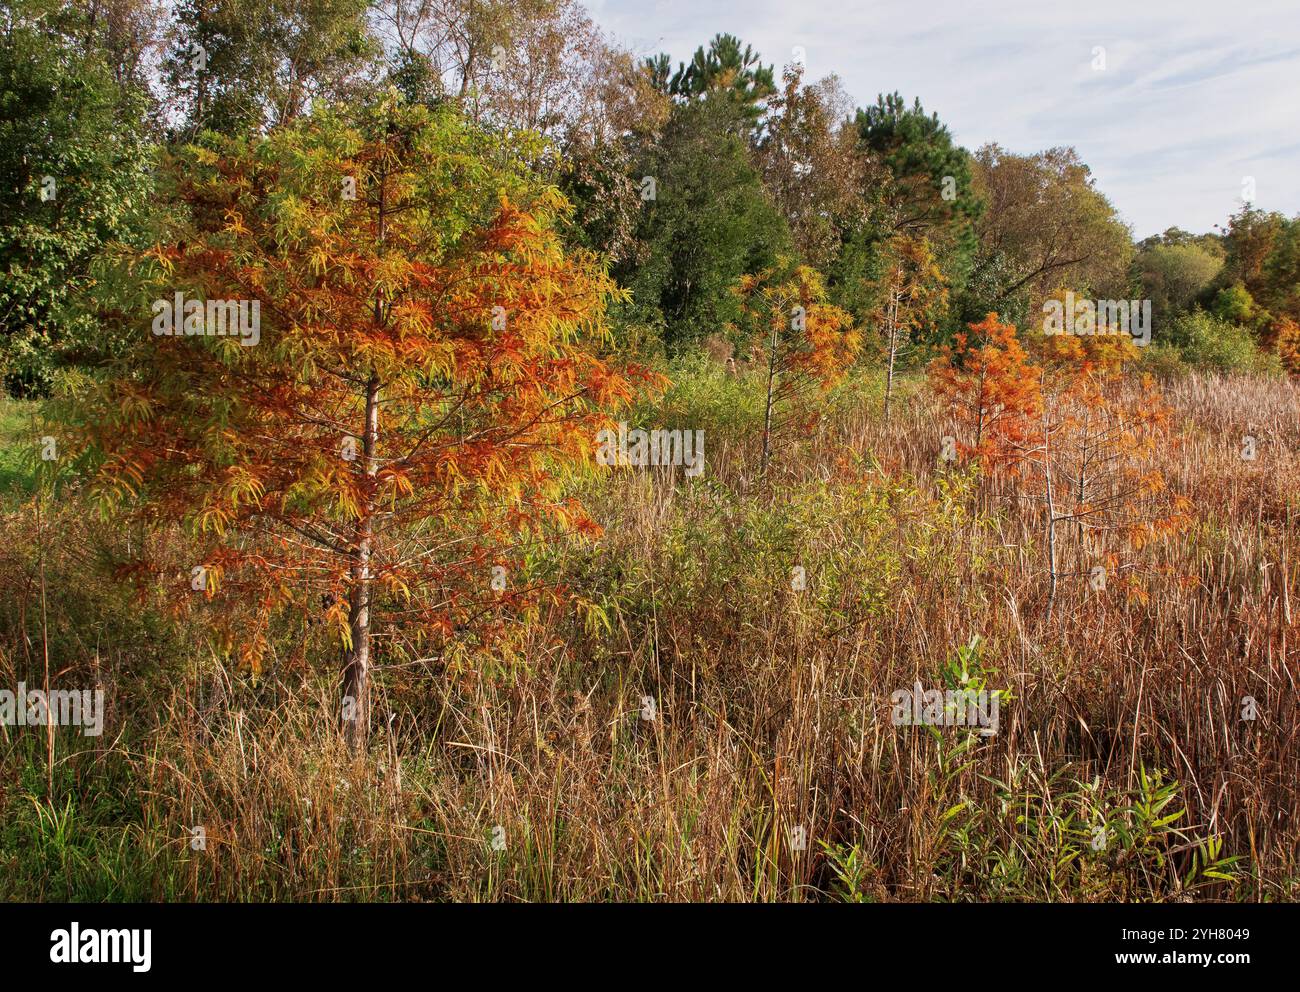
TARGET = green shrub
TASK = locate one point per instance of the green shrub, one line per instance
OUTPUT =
(1233, 303)
(1210, 343)
(1164, 361)
(704, 395)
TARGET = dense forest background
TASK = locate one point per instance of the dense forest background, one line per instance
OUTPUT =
(754, 166)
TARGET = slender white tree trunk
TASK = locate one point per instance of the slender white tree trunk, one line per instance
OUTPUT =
(356, 661)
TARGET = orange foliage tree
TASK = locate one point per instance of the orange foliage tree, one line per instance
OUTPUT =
(916, 291)
(1070, 433)
(995, 394)
(809, 343)
(1287, 335)
(1101, 432)
(426, 368)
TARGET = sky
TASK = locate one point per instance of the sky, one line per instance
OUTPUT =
(1193, 99)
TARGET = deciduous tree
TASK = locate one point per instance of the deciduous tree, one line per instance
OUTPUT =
(805, 343)
(1046, 224)
(75, 161)
(915, 296)
(425, 370)
(812, 167)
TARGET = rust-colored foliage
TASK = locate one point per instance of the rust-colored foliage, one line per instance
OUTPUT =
(1070, 433)
(428, 365)
(995, 394)
(916, 292)
(1101, 434)
(806, 343)
(1286, 332)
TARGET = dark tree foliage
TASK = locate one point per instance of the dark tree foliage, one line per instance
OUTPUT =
(710, 222)
(75, 163)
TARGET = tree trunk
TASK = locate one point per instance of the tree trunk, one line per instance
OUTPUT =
(355, 689)
(767, 413)
(1051, 508)
(893, 344)
(1082, 491)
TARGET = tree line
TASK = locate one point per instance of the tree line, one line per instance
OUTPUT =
(685, 180)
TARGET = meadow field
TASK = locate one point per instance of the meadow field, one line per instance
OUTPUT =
(1122, 712)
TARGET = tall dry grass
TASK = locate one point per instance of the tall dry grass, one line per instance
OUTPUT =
(772, 714)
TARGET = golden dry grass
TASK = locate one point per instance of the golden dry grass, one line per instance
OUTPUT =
(772, 705)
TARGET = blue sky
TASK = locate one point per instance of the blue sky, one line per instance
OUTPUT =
(1195, 96)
